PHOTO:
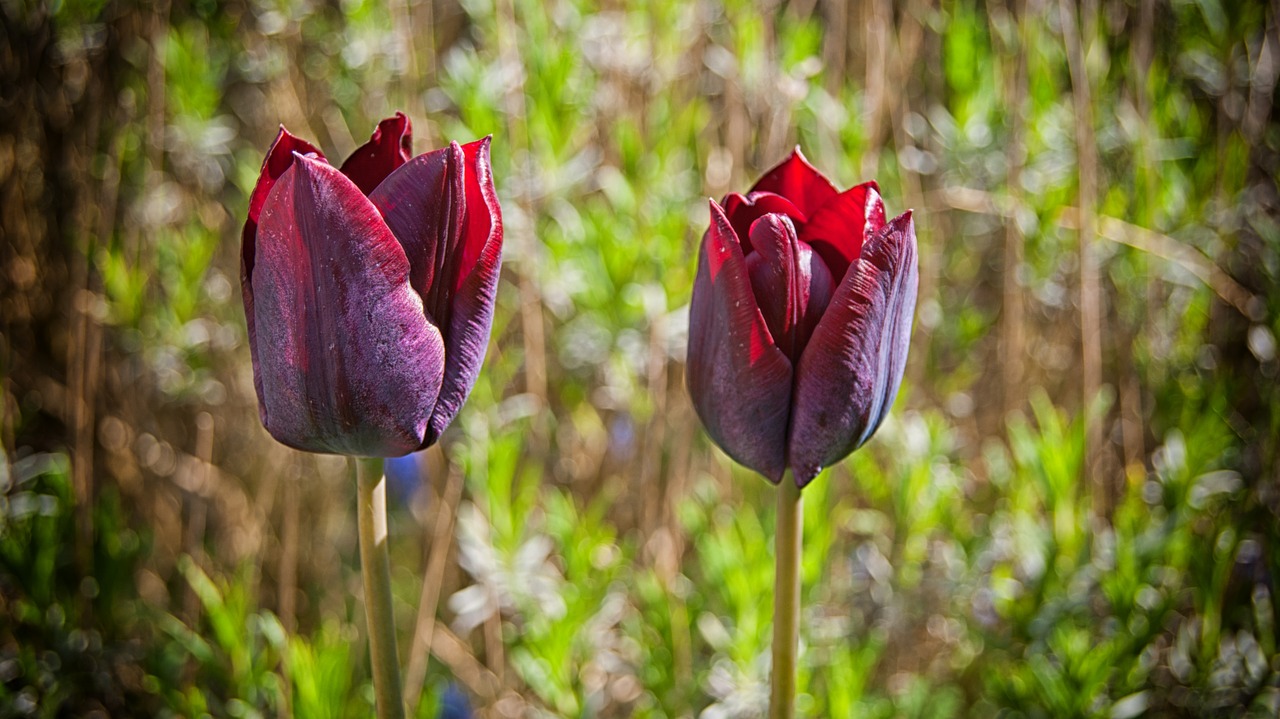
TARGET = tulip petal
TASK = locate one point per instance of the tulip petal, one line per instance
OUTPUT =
(279, 158)
(744, 210)
(353, 365)
(850, 372)
(739, 381)
(389, 147)
(795, 179)
(792, 285)
(471, 316)
(774, 270)
(424, 204)
(838, 229)
(443, 208)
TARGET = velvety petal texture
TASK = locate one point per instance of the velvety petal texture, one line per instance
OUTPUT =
(739, 380)
(279, 158)
(850, 372)
(800, 320)
(369, 290)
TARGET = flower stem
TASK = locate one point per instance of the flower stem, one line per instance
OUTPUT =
(375, 568)
(786, 600)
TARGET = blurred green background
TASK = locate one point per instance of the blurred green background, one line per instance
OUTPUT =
(1073, 511)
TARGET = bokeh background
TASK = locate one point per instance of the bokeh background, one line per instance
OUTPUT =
(1073, 510)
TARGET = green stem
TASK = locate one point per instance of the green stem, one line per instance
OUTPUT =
(786, 600)
(375, 568)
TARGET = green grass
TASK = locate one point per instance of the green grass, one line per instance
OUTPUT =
(606, 560)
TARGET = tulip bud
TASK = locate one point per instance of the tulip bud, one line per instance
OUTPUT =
(369, 290)
(800, 320)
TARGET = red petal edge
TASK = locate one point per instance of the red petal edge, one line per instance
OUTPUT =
(739, 381)
(389, 147)
(471, 312)
(795, 179)
(279, 159)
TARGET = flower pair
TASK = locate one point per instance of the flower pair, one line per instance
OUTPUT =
(369, 293)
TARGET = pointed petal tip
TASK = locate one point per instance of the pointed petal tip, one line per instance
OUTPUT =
(805, 472)
(308, 160)
(717, 212)
(477, 151)
(478, 145)
(796, 179)
(904, 224)
(402, 119)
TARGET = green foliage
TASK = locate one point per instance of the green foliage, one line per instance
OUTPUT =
(607, 559)
(56, 662)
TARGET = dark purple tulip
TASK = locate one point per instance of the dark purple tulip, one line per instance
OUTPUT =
(800, 320)
(369, 289)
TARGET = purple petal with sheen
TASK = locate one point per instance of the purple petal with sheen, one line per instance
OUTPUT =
(348, 362)
(389, 147)
(279, 158)
(443, 208)
(739, 381)
(471, 318)
(792, 285)
(795, 179)
(424, 205)
(850, 372)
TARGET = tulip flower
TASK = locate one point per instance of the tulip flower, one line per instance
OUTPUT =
(800, 320)
(369, 290)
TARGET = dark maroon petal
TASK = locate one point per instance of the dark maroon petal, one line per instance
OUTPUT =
(348, 362)
(389, 147)
(279, 158)
(740, 383)
(795, 179)
(774, 271)
(443, 208)
(744, 210)
(850, 372)
(471, 317)
(838, 229)
(424, 204)
(792, 285)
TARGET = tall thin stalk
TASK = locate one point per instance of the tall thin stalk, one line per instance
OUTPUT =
(375, 568)
(786, 600)
(1090, 288)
